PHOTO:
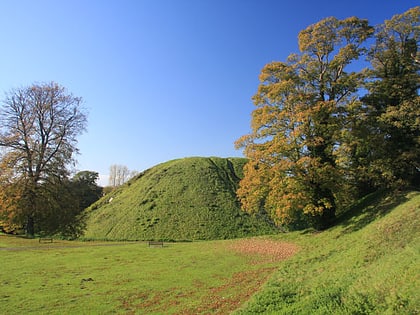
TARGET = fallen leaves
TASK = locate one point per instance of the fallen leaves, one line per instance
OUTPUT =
(264, 250)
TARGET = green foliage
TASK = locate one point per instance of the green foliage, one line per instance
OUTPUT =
(55, 206)
(392, 102)
(85, 189)
(58, 210)
(185, 199)
(368, 264)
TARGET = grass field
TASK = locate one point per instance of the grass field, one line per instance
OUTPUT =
(369, 263)
(108, 278)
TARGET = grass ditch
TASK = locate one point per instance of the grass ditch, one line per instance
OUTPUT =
(368, 264)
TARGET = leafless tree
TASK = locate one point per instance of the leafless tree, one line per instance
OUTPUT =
(119, 174)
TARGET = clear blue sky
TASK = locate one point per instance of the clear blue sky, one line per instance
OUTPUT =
(161, 79)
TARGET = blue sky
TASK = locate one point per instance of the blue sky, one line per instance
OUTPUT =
(161, 79)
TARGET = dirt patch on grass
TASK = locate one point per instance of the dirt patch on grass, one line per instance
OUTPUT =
(226, 297)
(263, 251)
(221, 299)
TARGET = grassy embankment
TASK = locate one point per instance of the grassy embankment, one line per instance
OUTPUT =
(368, 264)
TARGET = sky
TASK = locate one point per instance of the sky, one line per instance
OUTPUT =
(160, 79)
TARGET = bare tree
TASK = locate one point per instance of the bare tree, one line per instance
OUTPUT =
(119, 174)
(39, 125)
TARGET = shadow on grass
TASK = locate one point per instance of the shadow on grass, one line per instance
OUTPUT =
(368, 209)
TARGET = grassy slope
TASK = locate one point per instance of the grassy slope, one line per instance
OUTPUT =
(368, 264)
(184, 199)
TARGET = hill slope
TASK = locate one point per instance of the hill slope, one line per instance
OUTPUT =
(184, 199)
(369, 263)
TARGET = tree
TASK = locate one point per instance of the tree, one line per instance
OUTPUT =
(39, 125)
(392, 103)
(293, 172)
(119, 174)
(85, 188)
(61, 207)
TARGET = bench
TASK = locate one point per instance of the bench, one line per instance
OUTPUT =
(45, 240)
(155, 243)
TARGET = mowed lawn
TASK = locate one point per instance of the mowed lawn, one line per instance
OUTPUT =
(213, 277)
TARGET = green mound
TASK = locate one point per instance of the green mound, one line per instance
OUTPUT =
(185, 199)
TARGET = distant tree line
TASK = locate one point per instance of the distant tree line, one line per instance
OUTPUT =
(323, 132)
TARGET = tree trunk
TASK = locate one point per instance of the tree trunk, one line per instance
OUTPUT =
(30, 226)
(326, 219)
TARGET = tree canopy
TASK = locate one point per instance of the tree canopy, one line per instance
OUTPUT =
(312, 133)
(39, 125)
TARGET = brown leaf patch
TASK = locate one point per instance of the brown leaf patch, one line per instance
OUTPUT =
(264, 250)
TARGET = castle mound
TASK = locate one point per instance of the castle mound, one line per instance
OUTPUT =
(184, 199)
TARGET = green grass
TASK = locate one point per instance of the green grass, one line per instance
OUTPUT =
(368, 264)
(184, 199)
(121, 278)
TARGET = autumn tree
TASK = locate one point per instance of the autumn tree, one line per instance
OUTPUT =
(39, 125)
(293, 171)
(10, 200)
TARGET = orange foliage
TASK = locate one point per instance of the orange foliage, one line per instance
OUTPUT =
(292, 170)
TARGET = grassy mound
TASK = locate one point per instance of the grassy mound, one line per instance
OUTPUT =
(369, 263)
(184, 199)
